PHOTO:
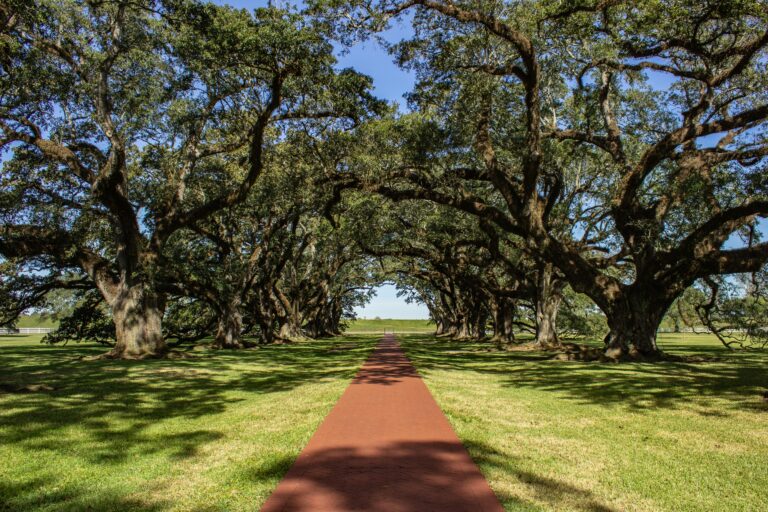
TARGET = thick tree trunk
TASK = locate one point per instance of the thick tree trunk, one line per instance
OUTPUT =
(289, 330)
(471, 326)
(138, 318)
(508, 322)
(633, 324)
(334, 319)
(267, 333)
(548, 298)
(503, 322)
(439, 327)
(230, 327)
(479, 324)
(546, 321)
(266, 317)
(464, 328)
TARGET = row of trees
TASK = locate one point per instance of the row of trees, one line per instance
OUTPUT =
(197, 168)
(138, 132)
(622, 144)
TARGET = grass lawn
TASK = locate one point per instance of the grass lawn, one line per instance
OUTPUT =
(389, 325)
(553, 435)
(216, 432)
(211, 433)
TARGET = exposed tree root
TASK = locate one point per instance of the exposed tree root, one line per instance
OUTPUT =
(13, 387)
(586, 353)
(115, 356)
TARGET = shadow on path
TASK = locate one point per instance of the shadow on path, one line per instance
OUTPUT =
(396, 477)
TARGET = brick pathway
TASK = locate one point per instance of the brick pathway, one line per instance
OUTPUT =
(386, 447)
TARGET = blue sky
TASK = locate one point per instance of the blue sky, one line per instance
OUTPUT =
(387, 304)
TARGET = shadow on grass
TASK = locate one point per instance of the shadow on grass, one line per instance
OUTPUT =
(555, 493)
(740, 378)
(104, 411)
(24, 497)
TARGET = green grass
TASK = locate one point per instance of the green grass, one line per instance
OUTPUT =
(553, 435)
(215, 432)
(36, 321)
(390, 325)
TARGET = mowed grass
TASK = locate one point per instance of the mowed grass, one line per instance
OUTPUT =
(209, 433)
(390, 325)
(553, 435)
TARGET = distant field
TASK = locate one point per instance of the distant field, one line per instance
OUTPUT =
(357, 326)
(388, 324)
(36, 321)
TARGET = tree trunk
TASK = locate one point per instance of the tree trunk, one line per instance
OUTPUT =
(439, 327)
(480, 321)
(548, 298)
(267, 333)
(503, 322)
(289, 330)
(633, 323)
(230, 327)
(138, 323)
(509, 321)
(334, 320)
(464, 329)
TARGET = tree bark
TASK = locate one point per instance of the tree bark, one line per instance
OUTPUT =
(503, 321)
(439, 327)
(230, 327)
(633, 323)
(138, 317)
(480, 321)
(464, 328)
(548, 298)
(289, 330)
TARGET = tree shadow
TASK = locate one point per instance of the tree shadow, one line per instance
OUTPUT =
(24, 497)
(737, 379)
(553, 492)
(411, 477)
(114, 406)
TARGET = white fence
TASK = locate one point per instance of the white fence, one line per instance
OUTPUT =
(26, 330)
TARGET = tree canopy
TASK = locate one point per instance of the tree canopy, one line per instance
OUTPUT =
(187, 169)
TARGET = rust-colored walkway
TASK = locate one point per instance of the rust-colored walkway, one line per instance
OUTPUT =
(386, 446)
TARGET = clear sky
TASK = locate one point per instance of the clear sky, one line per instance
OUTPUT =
(387, 304)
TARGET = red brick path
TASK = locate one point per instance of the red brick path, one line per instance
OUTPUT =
(386, 446)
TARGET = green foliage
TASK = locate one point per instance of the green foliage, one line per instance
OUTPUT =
(187, 319)
(579, 316)
(131, 126)
(87, 322)
(736, 309)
